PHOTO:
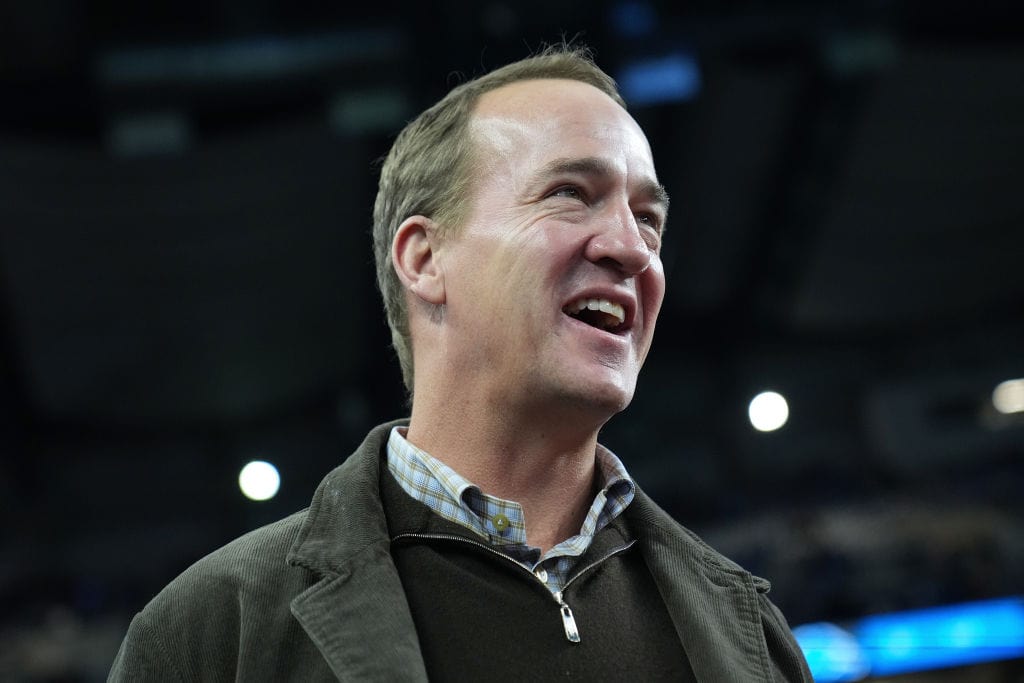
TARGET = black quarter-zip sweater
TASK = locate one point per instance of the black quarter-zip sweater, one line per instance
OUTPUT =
(481, 616)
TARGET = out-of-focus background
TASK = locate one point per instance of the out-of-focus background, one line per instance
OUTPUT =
(186, 286)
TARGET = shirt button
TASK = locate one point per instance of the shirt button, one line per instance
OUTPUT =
(500, 522)
(541, 574)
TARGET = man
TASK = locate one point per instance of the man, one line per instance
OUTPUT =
(517, 232)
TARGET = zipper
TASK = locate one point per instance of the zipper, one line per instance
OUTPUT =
(613, 553)
(572, 632)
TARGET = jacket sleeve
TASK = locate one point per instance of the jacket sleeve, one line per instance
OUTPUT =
(143, 656)
(227, 617)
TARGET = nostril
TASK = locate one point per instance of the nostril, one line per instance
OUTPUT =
(623, 250)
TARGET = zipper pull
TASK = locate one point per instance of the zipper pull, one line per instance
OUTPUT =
(568, 621)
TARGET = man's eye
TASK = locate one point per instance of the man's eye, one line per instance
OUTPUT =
(650, 229)
(570, 191)
(650, 220)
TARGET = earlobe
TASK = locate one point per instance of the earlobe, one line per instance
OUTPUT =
(414, 255)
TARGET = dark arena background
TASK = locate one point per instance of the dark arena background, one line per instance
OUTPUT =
(186, 287)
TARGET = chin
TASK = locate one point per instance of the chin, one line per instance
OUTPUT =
(592, 393)
(602, 399)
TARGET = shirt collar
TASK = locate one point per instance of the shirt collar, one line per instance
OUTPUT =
(501, 521)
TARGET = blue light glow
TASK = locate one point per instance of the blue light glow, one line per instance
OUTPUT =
(832, 653)
(917, 640)
(943, 636)
(673, 78)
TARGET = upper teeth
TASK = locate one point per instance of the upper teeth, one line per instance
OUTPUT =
(602, 305)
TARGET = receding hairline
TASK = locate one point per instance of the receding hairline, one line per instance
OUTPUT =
(522, 83)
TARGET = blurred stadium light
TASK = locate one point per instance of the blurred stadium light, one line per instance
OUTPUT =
(915, 640)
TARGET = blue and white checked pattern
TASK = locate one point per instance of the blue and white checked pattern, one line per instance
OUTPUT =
(500, 522)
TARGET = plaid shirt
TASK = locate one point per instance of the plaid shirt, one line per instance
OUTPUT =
(500, 522)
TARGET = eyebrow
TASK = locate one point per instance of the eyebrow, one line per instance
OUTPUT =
(594, 166)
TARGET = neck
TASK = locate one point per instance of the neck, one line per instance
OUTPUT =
(545, 464)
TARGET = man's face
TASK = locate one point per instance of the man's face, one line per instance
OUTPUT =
(565, 217)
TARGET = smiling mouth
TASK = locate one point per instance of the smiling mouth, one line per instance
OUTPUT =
(600, 313)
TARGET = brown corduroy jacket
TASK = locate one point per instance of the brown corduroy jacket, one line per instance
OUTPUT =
(316, 597)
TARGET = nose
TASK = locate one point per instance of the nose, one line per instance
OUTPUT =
(617, 242)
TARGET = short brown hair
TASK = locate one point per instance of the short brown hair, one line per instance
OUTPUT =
(429, 168)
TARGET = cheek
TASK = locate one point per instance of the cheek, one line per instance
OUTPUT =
(541, 256)
(653, 291)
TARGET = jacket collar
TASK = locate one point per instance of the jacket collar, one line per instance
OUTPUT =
(356, 613)
(346, 516)
(714, 603)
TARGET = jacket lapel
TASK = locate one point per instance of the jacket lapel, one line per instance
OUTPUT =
(360, 621)
(356, 613)
(713, 602)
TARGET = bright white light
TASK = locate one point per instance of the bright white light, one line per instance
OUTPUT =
(259, 480)
(1008, 397)
(768, 411)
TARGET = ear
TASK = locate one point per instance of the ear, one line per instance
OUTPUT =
(414, 254)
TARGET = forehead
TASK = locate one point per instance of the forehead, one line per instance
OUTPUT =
(536, 120)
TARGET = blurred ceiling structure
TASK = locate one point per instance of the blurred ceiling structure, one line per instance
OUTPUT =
(187, 283)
